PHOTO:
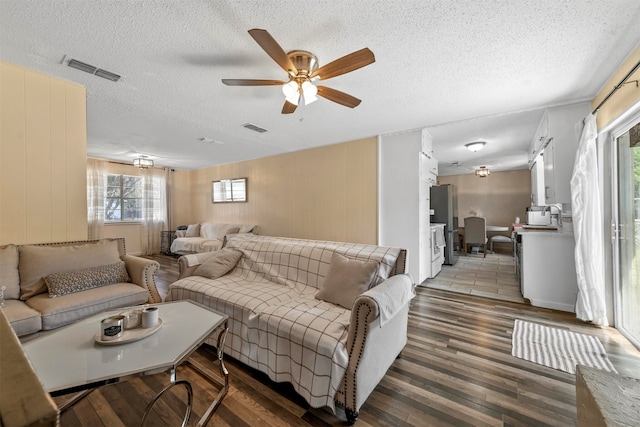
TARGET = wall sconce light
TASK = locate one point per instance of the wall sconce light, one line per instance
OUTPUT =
(143, 162)
(483, 172)
(475, 146)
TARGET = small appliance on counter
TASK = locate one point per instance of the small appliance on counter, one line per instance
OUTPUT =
(544, 216)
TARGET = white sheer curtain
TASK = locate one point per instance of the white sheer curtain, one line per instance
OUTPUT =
(154, 209)
(588, 229)
(96, 187)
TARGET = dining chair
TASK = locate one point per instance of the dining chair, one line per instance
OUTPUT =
(499, 238)
(475, 232)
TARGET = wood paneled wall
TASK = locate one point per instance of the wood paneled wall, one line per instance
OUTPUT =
(326, 193)
(43, 146)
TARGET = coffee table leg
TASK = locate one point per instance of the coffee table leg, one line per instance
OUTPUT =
(187, 414)
(223, 372)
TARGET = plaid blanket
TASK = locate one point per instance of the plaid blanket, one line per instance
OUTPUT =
(276, 325)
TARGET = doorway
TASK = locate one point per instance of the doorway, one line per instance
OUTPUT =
(626, 230)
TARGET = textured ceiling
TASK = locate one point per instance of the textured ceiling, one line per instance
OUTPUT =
(437, 63)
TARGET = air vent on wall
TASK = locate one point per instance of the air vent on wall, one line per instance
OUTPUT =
(87, 68)
(253, 127)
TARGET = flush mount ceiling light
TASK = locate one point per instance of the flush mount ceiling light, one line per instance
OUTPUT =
(143, 162)
(483, 172)
(475, 146)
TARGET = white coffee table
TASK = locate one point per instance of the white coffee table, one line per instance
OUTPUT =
(69, 360)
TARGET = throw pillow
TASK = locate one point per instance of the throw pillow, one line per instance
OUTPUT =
(9, 276)
(75, 281)
(346, 280)
(220, 263)
(232, 230)
(36, 262)
(193, 231)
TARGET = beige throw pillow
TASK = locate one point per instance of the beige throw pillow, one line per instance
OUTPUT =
(220, 263)
(9, 276)
(346, 280)
(75, 281)
(36, 262)
(193, 231)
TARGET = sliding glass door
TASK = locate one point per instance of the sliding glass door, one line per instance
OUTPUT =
(626, 232)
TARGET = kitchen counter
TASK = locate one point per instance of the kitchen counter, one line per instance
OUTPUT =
(546, 268)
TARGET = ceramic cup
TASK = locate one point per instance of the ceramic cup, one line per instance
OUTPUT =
(132, 318)
(150, 316)
(112, 327)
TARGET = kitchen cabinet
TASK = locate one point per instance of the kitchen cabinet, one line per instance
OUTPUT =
(557, 140)
(537, 182)
(546, 268)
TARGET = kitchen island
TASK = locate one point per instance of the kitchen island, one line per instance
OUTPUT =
(546, 268)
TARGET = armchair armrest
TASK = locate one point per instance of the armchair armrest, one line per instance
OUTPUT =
(377, 335)
(142, 272)
(23, 400)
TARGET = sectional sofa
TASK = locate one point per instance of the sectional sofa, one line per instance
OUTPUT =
(53, 284)
(205, 236)
(328, 317)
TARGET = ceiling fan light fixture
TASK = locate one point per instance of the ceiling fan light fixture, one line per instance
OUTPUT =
(483, 172)
(309, 91)
(475, 146)
(291, 92)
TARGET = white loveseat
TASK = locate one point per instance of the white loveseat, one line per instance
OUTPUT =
(278, 324)
(50, 285)
(205, 236)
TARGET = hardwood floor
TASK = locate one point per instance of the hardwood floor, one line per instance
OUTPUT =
(456, 370)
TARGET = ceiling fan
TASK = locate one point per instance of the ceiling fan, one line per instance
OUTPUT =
(302, 68)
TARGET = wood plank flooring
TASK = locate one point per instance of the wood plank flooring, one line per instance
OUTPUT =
(456, 370)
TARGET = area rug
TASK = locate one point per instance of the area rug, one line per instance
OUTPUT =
(558, 348)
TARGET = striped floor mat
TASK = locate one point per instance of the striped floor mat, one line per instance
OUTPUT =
(558, 348)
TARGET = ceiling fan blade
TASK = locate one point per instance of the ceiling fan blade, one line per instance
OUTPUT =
(339, 97)
(346, 64)
(273, 49)
(250, 82)
(288, 107)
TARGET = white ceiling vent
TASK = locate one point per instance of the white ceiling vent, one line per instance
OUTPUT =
(87, 68)
(253, 127)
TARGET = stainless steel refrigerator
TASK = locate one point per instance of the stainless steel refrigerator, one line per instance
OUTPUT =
(445, 207)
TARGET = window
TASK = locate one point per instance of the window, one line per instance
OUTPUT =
(123, 200)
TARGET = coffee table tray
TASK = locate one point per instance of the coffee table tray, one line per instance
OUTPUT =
(129, 335)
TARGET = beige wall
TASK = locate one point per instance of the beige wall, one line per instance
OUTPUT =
(499, 198)
(323, 193)
(43, 195)
(624, 98)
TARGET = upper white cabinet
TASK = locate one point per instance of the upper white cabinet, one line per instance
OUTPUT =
(557, 139)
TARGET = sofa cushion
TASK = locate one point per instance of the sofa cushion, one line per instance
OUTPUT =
(346, 280)
(303, 342)
(36, 262)
(75, 281)
(67, 309)
(218, 264)
(193, 230)
(24, 319)
(210, 230)
(9, 276)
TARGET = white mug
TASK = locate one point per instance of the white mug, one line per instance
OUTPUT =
(150, 316)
